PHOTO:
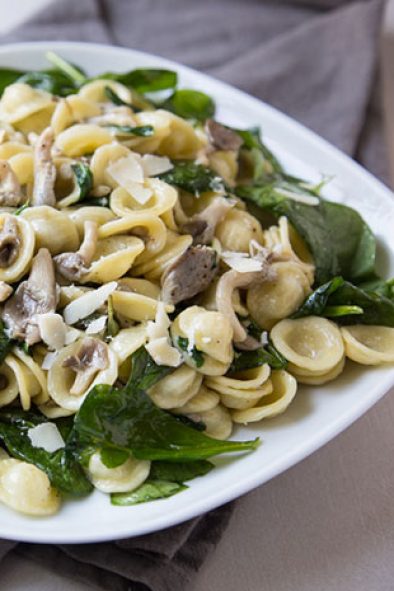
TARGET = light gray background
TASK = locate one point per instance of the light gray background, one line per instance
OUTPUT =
(325, 525)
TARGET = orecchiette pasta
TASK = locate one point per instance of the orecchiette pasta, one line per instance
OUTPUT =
(369, 345)
(124, 478)
(17, 241)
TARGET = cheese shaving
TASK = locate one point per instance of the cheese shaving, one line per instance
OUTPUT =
(97, 325)
(88, 303)
(154, 165)
(243, 263)
(46, 436)
(159, 346)
(52, 330)
(306, 199)
(49, 360)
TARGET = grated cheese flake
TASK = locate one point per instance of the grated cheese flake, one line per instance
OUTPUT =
(88, 303)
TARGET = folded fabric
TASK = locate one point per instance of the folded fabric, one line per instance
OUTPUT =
(315, 60)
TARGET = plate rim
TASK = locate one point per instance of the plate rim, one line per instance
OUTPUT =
(293, 457)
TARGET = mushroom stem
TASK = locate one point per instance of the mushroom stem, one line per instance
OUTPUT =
(44, 170)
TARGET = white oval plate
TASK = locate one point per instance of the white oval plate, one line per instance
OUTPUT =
(317, 414)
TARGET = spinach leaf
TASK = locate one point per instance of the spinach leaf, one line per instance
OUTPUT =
(264, 160)
(179, 471)
(5, 343)
(141, 131)
(380, 287)
(112, 324)
(96, 201)
(84, 179)
(114, 98)
(337, 294)
(190, 104)
(151, 490)
(127, 419)
(145, 80)
(195, 354)
(7, 77)
(340, 241)
(64, 472)
(250, 359)
(112, 458)
(193, 178)
(22, 207)
(51, 81)
(73, 73)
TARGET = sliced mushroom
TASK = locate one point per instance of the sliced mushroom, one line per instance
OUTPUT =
(10, 190)
(37, 295)
(232, 280)
(9, 242)
(44, 170)
(190, 274)
(202, 225)
(5, 291)
(74, 265)
(221, 137)
(91, 358)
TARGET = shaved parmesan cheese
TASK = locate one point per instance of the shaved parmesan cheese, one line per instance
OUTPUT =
(97, 325)
(154, 165)
(49, 360)
(128, 172)
(139, 192)
(264, 338)
(159, 328)
(46, 436)
(307, 199)
(72, 335)
(242, 264)
(126, 169)
(88, 303)
(52, 330)
(159, 346)
(162, 353)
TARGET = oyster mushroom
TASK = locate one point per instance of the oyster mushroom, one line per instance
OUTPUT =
(44, 170)
(35, 296)
(10, 190)
(74, 265)
(91, 358)
(236, 279)
(9, 242)
(221, 137)
(190, 274)
(202, 225)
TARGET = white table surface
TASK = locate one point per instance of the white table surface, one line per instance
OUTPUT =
(325, 525)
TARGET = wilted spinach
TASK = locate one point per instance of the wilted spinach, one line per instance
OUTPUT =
(126, 419)
(193, 178)
(64, 472)
(190, 104)
(194, 353)
(338, 298)
(83, 178)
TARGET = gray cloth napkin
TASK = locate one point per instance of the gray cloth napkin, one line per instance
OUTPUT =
(315, 60)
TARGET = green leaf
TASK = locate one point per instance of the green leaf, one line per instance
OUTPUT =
(127, 419)
(112, 325)
(22, 208)
(264, 160)
(379, 287)
(196, 355)
(5, 343)
(84, 179)
(141, 131)
(96, 202)
(112, 458)
(76, 75)
(151, 490)
(376, 309)
(193, 178)
(179, 471)
(64, 472)
(8, 76)
(250, 359)
(337, 311)
(145, 80)
(190, 104)
(340, 242)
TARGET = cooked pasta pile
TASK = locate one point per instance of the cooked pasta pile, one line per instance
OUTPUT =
(126, 230)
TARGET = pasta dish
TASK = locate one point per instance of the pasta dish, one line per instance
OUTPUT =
(163, 279)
